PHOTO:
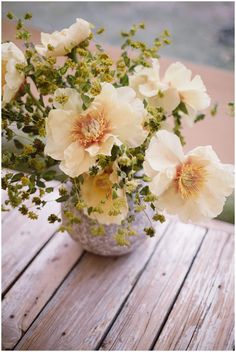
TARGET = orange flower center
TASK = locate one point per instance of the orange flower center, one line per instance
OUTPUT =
(190, 178)
(90, 129)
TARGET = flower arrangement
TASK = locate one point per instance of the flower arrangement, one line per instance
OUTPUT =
(112, 129)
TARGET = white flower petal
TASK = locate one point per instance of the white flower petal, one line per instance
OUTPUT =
(210, 203)
(76, 160)
(74, 101)
(161, 182)
(189, 118)
(125, 116)
(178, 75)
(64, 41)
(196, 99)
(106, 147)
(58, 132)
(187, 210)
(12, 79)
(148, 170)
(205, 153)
(220, 178)
(168, 100)
(164, 151)
(205, 184)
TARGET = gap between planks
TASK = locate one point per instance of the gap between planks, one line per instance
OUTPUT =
(45, 274)
(22, 239)
(92, 271)
(207, 321)
(137, 329)
(75, 319)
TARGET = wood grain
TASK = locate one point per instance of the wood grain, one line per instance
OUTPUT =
(80, 313)
(22, 238)
(203, 316)
(36, 286)
(148, 305)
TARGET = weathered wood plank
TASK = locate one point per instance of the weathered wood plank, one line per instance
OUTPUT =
(203, 315)
(220, 225)
(22, 238)
(80, 313)
(27, 297)
(148, 305)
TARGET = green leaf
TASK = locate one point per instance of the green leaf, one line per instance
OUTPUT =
(18, 144)
(145, 191)
(86, 100)
(199, 117)
(63, 70)
(40, 184)
(30, 129)
(115, 152)
(17, 177)
(99, 47)
(124, 80)
(114, 195)
(181, 107)
(90, 209)
(62, 199)
(49, 175)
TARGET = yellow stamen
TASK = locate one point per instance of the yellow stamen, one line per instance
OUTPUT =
(90, 129)
(190, 178)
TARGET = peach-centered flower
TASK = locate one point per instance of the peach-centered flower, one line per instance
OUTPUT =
(96, 192)
(77, 137)
(61, 43)
(193, 186)
(12, 79)
(176, 86)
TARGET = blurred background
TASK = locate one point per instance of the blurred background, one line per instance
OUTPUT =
(202, 32)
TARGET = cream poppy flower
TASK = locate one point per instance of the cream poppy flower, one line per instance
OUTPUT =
(193, 186)
(64, 41)
(175, 87)
(67, 99)
(12, 79)
(146, 80)
(96, 192)
(77, 137)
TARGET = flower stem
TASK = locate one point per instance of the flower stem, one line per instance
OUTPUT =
(35, 101)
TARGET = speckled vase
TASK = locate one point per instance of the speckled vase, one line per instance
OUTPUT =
(105, 245)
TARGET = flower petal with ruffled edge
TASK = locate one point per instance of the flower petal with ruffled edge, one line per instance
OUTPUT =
(115, 116)
(72, 98)
(58, 132)
(164, 151)
(96, 191)
(195, 187)
(64, 41)
(12, 79)
(175, 87)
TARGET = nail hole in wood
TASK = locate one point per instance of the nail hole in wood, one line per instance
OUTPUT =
(12, 316)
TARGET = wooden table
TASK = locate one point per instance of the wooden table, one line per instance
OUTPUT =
(175, 292)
